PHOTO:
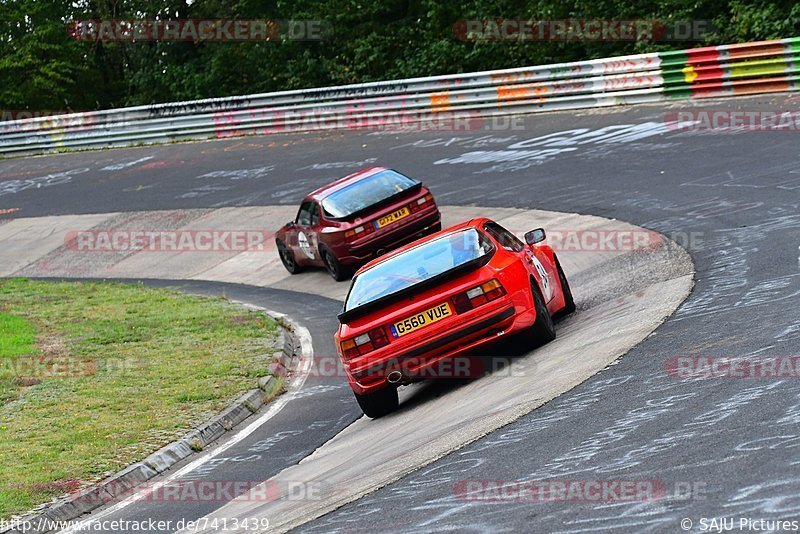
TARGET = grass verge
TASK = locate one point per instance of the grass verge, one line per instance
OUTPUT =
(96, 376)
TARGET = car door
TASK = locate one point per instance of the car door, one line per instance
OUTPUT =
(538, 263)
(306, 228)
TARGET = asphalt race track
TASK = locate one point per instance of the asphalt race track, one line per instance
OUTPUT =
(623, 296)
(720, 447)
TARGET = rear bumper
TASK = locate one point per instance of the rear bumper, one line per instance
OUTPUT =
(429, 360)
(418, 226)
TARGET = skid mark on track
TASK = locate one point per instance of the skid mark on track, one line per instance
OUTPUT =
(10, 187)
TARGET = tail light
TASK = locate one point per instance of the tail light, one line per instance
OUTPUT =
(359, 231)
(420, 203)
(360, 345)
(477, 296)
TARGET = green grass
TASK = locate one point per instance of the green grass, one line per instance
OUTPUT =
(95, 376)
(16, 336)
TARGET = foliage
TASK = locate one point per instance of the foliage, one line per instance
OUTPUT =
(43, 68)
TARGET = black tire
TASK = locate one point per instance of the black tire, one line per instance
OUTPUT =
(543, 331)
(335, 268)
(287, 257)
(569, 302)
(380, 403)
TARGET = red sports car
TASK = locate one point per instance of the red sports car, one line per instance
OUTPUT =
(343, 225)
(441, 296)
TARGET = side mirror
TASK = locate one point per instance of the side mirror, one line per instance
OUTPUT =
(535, 236)
(290, 224)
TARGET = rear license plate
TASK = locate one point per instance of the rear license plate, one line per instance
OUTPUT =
(386, 220)
(421, 320)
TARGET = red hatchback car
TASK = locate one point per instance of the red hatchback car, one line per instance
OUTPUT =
(441, 296)
(343, 225)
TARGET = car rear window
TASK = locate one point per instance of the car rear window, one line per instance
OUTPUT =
(417, 265)
(366, 192)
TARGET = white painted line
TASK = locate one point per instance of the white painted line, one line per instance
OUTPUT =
(120, 166)
(277, 405)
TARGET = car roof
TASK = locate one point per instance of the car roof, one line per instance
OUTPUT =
(341, 183)
(472, 223)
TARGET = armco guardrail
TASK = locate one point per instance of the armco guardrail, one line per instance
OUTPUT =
(739, 69)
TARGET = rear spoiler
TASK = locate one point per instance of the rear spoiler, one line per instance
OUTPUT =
(350, 315)
(387, 200)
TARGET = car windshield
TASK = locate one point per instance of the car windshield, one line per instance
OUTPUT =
(366, 192)
(417, 265)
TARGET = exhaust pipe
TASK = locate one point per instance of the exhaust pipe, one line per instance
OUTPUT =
(380, 252)
(394, 377)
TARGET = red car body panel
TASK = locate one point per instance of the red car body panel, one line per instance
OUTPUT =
(305, 241)
(461, 332)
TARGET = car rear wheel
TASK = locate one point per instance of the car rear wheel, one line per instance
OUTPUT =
(380, 403)
(569, 302)
(543, 331)
(335, 268)
(287, 257)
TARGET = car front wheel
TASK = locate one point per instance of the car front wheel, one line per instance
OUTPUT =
(287, 257)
